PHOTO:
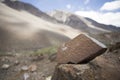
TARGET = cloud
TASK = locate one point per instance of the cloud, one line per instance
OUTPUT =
(86, 2)
(109, 6)
(68, 6)
(105, 18)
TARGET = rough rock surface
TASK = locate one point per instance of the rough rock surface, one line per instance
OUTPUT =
(81, 49)
(104, 67)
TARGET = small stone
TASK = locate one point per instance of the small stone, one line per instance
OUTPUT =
(33, 67)
(38, 58)
(26, 76)
(115, 51)
(119, 58)
(17, 62)
(5, 66)
(52, 57)
(48, 78)
(3, 59)
(24, 68)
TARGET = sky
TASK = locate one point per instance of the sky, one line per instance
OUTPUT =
(102, 11)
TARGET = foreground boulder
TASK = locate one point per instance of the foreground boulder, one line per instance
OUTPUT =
(85, 49)
(81, 49)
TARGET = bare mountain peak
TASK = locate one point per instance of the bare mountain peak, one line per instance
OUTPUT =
(63, 15)
(60, 15)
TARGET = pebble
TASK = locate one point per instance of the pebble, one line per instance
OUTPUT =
(26, 76)
(17, 62)
(24, 68)
(33, 67)
(48, 78)
(5, 66)
(119, 58)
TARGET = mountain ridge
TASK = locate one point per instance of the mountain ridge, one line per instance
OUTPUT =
(80, 22)
(18, 5)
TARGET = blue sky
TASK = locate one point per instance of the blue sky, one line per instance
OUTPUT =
(69, 5)
(103, 11)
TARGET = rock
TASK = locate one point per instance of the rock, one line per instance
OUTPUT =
(16, 62)
(38, 57)
(48, 78)
(104, 67)
(115, 46)
(115, 51)
(5, 59)
(5, 66)
(32, 67)
(119, 58)
(69, 72)
(81, 49)
(26, 76)
(24, 68)
(52, 57)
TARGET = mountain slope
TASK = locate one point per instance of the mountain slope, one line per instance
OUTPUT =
(20, 30)
(107, 34)
(108, 27)
(21, 6)
(83, 24)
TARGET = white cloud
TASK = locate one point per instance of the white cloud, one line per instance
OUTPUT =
(105, 18)
(114, 5)
(86, 2)
(68, 6)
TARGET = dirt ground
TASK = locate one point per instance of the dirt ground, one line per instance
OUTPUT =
(42, 67)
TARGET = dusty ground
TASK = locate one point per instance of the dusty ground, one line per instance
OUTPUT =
(44, 67)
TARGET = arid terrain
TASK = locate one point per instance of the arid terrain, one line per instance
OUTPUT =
(42, 67)
(29, 40)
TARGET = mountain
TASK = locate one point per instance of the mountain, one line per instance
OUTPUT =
(24, 27)
(67, 18)
(82, 23)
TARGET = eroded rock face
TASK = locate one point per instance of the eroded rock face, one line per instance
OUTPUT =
(69, 72)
